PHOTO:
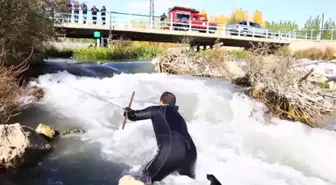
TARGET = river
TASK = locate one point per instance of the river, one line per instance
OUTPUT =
(234, 142)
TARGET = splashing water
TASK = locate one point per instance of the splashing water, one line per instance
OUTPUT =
(233, 141)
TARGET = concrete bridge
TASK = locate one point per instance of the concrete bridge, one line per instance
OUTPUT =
(142, 28)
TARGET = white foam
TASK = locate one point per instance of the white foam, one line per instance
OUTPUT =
(235, 146)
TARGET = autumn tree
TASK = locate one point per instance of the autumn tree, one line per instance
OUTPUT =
(203, 12)
(258, 18)
(238, 15)
(221, 20)
(211, 18)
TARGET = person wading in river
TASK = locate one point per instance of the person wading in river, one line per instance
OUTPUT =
(176, 149)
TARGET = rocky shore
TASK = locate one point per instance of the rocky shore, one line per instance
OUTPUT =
(22, 145)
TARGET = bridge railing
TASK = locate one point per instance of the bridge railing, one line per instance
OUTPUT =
(131, 21)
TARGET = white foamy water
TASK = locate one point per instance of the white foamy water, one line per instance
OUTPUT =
(233, 141)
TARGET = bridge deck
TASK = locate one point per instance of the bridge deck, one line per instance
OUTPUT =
(159, 35)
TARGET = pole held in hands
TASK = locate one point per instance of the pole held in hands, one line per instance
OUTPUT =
(129, 105)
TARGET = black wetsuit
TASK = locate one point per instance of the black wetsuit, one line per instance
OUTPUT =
(177, 151)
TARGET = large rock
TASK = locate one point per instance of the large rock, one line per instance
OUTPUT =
(20, 145)
(47, 131)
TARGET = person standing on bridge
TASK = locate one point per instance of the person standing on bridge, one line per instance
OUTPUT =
(177, 151)
(103, 14)
(94, 11)
(69, 6)
(76, 11)
(84, 9)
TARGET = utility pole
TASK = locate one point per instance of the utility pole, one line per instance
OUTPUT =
(151, 13)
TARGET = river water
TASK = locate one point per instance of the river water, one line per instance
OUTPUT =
(234, 142)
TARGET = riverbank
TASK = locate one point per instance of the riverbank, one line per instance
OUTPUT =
(289, 93)
(127, 50)
(120, 50)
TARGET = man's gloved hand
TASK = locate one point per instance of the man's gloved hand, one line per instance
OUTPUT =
(127, 111)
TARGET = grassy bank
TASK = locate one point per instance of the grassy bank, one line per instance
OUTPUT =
(147, 50)
(119, 51)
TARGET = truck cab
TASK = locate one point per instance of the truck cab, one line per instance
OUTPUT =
(181, 17)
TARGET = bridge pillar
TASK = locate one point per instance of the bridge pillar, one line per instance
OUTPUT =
(198, 48)
(211, 46)
(102, 42)
(204, 47)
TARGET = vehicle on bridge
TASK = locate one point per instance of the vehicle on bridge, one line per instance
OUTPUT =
(183, 18)
(247, 28)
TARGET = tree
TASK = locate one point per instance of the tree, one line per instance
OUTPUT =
(29, 28)
(258, 18)
(203, 12)
(238, 15)
(282, 26)
(211, 18)
(222, 19)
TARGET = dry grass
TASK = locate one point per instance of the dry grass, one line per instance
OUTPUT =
(316, 53)
(196, 64)
(272, 80)
(285, 91)
(9, 91)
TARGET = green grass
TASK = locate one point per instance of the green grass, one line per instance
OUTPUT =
(116, 52)
(127, 50)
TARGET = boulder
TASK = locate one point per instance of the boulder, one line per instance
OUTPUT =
(20, 145)
(46, 131)
(129, 180)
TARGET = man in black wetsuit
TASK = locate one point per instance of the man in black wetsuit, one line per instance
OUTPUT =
(177, 151)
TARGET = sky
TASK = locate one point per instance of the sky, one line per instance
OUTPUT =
(273, 10)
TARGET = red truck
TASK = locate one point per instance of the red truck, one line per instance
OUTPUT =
(180, 18)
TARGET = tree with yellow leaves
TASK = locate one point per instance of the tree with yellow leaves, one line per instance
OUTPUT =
(238, 15)
(258, 18)
(221, 20)
(212, 18)
(203, 12)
